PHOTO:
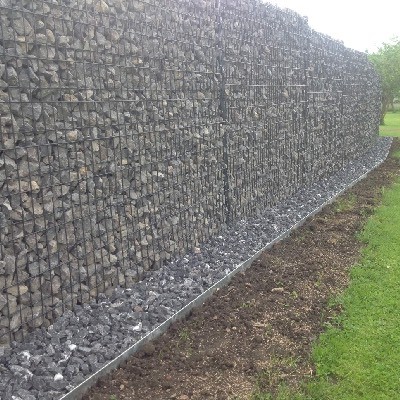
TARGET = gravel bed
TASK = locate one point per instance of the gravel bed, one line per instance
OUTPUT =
(52, 361)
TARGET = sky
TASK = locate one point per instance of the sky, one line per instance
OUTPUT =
(361, 24)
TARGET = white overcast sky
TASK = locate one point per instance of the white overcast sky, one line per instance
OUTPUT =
(360, 24)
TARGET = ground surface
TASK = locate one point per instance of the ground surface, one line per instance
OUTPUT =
(258, 332)
(392, 124)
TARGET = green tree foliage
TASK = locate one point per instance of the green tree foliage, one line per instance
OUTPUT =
(387, 63)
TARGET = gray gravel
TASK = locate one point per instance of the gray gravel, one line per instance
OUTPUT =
(53, 361)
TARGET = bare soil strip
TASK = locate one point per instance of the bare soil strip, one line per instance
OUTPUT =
(258, 331)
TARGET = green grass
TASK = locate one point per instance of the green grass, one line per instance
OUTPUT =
(345, 203)
(362, 359)
(358, 358)
(392, 125)
(184, 335)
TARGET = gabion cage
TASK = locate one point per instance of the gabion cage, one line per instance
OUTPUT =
(131, 131)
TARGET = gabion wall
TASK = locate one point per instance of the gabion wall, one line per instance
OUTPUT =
(133, 130)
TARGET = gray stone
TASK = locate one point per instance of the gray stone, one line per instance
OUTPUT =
(9, 263)
(34, 268)
(21, 371)
(3, 301)
(72, 136)
(17, 290)
(101, 6)
(25, 395)
(32, 111)
(41, 38)
(63, 40)
(11, 76)
(9, 309)
(58, 377)
(22, 26)
(15, 322)
(50, 36)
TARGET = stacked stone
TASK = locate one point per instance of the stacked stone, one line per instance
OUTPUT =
(110, 150)
(300, 104)
(266, 85)
(125, 125)
(345, 89)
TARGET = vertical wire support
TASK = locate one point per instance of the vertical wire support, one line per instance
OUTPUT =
(223, 113)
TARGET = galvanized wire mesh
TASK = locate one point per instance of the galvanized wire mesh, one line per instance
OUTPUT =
(131, 131)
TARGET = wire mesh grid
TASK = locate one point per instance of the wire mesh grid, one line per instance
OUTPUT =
(133, 131)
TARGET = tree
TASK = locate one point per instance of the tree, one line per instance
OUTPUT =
(387, 63)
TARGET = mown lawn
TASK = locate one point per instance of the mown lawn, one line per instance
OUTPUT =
(361, 359)
(391, 127)
(358, 357)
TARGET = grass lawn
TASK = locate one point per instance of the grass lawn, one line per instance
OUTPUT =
(358, 357)
(392, 125)
(361, 360)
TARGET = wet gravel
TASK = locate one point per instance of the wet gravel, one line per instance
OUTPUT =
(52, 361)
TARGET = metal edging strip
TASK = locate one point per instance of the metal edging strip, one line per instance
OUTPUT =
(82, 388)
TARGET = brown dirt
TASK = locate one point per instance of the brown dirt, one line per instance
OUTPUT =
(258, 331)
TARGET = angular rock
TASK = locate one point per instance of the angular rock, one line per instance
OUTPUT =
(22, 26)
(17, 290)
